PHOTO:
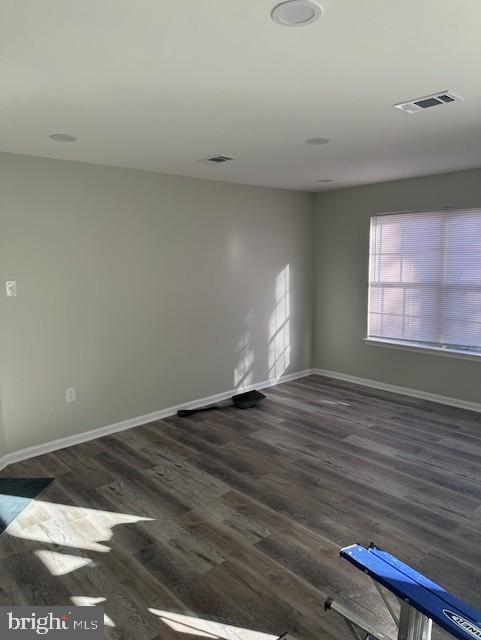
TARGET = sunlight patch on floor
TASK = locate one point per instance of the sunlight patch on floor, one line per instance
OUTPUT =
(88, 601)
(208, 628)
(69, 526)
(59, 564)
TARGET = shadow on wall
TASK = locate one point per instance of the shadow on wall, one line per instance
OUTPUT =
(279, 350)
(278, 338)
(245, 356)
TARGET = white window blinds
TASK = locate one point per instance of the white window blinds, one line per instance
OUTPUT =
(425, 279)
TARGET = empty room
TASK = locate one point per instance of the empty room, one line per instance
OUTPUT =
(240, 319)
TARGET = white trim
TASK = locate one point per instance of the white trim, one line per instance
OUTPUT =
(404, 391)
(423, 348)
(85, 436)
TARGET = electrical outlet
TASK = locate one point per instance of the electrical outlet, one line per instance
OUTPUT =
(11, 288)
(70, 394)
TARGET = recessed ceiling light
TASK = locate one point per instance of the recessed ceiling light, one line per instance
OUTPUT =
(317, 141)
(62, 137)
(296, 13)
(325, 180)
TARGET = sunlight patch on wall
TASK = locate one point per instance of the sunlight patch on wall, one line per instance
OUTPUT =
(208, 628)
(244, 369)
(279, 327)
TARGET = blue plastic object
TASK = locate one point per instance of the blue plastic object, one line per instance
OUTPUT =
(450, 613)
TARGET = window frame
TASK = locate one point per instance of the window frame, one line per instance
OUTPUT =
(405, 345)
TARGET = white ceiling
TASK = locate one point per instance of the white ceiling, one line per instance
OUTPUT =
(160, 84)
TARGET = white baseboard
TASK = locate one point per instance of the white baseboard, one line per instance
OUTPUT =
(55, 445)
(405, 391)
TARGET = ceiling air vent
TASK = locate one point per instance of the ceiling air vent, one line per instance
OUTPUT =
(436, 99)
(219, 159)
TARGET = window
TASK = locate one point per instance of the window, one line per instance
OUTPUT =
(425, 280)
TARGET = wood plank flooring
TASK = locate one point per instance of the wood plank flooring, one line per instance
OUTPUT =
(228, 524)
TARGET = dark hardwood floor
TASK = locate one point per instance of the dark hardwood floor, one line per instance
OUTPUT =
(237, 517)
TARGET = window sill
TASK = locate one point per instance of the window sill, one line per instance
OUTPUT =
(411, 346)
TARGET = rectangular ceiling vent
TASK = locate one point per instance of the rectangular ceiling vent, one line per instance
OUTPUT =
(436, 99)
(219, 159)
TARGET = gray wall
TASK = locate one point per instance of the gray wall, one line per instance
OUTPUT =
(145, 291)
(341, 280)
(2, 441)
(141, 290)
